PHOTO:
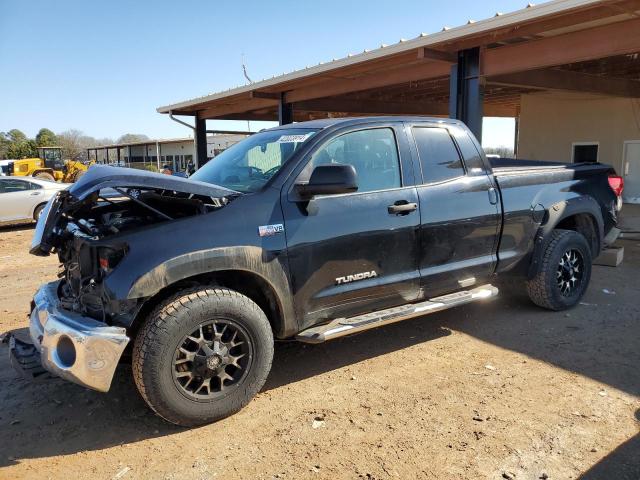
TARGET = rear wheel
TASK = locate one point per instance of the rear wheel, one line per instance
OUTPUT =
(564, 273)
(38, 211)
(45, 176)
(202, 355)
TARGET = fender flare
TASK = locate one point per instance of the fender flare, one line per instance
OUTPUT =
(250, 259)
(556, 214)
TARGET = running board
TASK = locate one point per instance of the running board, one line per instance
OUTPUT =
(346, 326)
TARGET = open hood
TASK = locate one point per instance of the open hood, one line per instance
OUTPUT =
(102, 176)
(186, 197)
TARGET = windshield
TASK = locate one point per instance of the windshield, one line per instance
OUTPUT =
(248, 165)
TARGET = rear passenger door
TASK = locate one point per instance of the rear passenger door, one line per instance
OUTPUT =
(459, 211)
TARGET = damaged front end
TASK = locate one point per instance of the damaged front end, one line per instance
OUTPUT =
(74, 321)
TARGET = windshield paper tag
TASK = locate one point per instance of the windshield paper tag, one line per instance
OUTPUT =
(293, 138)
(269, 230)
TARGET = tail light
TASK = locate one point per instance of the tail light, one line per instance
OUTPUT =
(616, 183)
(108, 258)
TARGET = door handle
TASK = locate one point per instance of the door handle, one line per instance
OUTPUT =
(35, 193)
(493, 196)
(402, 207)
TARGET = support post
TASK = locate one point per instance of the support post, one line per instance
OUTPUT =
(106, 153)
(516, 132)
(466, 91)
(118, 154)
(158, 155)
(200, 142)
(285, 111)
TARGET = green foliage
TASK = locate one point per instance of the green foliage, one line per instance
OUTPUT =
(14, 144)
(46, 138)
(16, 136)
(19, 146)
(132, 138)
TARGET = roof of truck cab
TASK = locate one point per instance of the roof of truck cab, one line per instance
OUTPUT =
(323, 123)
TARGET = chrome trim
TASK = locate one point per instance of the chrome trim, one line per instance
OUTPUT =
(346, 326)
(97, 347)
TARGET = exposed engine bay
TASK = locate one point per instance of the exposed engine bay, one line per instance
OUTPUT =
(86, 237)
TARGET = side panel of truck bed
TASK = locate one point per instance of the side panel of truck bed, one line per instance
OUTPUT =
(530, 189)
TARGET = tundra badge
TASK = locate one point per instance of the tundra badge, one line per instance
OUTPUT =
(356, 276)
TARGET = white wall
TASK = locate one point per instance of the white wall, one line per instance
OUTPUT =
(551, 122)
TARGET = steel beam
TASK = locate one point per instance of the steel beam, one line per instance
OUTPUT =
(466, 95)
(200, 137)
(285, 111)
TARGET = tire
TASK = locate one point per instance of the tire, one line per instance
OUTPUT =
(38, 211)
(45, 176)
(184, 324)
(553, 286)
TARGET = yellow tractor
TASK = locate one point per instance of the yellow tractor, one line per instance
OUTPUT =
(49, 166)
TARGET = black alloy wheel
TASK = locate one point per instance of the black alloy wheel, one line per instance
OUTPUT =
(212, 359)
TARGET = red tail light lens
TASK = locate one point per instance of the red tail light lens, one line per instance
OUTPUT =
(616, 183)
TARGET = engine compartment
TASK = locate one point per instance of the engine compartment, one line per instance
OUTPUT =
(87, 238)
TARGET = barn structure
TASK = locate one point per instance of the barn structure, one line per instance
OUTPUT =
(567, 70)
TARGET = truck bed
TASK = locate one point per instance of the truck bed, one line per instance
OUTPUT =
(513, 166)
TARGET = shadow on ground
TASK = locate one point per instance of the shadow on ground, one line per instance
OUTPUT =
(89, 420)
(621, 464)
(17, 227)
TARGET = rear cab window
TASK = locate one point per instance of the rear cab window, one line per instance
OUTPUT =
(437, 153)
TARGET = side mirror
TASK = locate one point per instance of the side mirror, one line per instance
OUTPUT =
(328, 180)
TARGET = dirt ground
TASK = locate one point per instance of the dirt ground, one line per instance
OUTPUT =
(502, 390)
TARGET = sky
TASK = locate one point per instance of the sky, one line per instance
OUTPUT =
(103, 67)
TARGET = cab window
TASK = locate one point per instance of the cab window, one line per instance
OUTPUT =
(373, 153)
(439, 158)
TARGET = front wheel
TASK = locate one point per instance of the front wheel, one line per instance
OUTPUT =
(202, 355)
(564, 272)
(45, 176)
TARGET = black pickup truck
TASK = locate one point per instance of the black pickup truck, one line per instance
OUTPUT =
(308, 231)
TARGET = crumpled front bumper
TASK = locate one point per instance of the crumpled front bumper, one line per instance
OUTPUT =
(77, 348)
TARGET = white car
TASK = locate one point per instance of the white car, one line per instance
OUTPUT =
(4, 166)
(23, 198)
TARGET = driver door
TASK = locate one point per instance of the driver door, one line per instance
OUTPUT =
(353, 253)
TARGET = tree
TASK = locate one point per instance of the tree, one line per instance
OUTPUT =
(73, 143)
(4, 145)
(132, 138)
(16, 136)
(18, 145)
(46, 138)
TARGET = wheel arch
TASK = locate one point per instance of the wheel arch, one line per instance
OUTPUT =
(42, 170)
(581, 214)
(266, 285)
(35, 209)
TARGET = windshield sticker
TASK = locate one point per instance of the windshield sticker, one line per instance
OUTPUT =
(269, 230)
(294, 138)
